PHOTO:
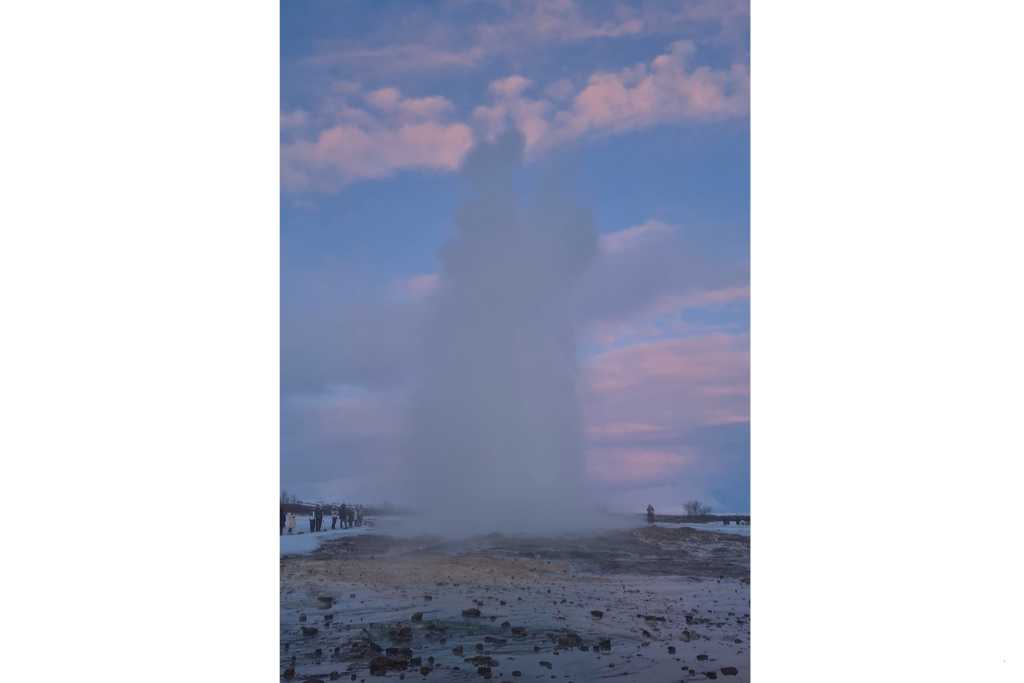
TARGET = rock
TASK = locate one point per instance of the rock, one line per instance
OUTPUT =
(506, 625)
(325, 602)
(685, 636)
(302, 618)
(482, 660)
(310, 630)
(517, 674)
(711, 674)
(671, 649)
(702, 658)
(518, 631)
(494, 640)
(457, 650)
(546, 665)
(569, 640)
(402, 652)
(605, 644)
(289, 673)
(401, 633)
(729, 670)
(424, 670)
(471, 612)
(313, 680)
(418, 616)
(380, 665)
(484, 671)
(596, 613)
(334, 675)
(651, 617)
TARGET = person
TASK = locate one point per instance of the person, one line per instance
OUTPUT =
(290, 521)
(283, 515)
(319, 518)
(351, 516)
(334, 517)
(343, 513)
(650, 514)
(359, 515)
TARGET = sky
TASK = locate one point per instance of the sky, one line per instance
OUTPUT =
(637, 110)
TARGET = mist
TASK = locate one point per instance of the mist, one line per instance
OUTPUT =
(494, 438)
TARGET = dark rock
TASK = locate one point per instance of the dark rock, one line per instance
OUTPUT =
(518, 631)
(647, 634)
(651, 617)
(671, 649)
(457, 650)
(403, 652)
(517, 674)
(484, 671)
(325, 602)
(569, 640)
(605, 644)
(546, 665)
(302, 618)
(418, 616)
(424, 670)
(471, 612)
(702, 658)
(334, 675)
(711, 674)
(401, 633)
(685, 636)
(381, 665)
(310, 630)
(730, 670)
(596, 613)
(494, 640)
(482, 660)
(505, 625)
(289, 673)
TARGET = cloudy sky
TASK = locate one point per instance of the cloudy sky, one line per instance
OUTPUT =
(640, 108)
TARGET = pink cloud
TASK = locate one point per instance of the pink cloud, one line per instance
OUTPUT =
(669, 386)
(618, 465)
(622, 240)
(420, 286)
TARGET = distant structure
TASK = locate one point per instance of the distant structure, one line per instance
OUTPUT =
(650, 514)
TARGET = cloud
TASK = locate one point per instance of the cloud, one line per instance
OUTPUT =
(670, 89)
(396, 133)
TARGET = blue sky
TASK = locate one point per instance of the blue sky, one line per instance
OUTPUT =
(640, 109)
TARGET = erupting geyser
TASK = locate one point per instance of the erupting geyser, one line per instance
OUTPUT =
(495, 429)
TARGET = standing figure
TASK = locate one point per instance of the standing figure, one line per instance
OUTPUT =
(342, 513)
(650, 514)
(312, 521)
(290, 521)
(283, 515)
(319, 518)
(351, 516)
(334, 517)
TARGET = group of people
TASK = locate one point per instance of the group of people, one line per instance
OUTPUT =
(342, 516)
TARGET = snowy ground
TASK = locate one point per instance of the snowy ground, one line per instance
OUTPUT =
(301, 541)
(717, 527)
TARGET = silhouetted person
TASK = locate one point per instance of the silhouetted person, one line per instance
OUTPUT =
(312, 521)
(342, 513)
(650, 514)
(283, 516)
(334, 517)
(290, 521)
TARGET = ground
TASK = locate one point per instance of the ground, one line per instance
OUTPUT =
(645, 604)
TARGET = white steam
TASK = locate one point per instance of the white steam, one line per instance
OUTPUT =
(495, 439)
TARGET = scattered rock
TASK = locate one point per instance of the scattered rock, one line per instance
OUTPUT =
(457, 650)
(546, 665)
(711, 674)
(484, 671)
(381, 665)
(605, 644)
(310, 630)
(325, 602)
(729, 670)
(702, 658)
(418, 616)
(596, 613)
(671, 649)
(471, 612)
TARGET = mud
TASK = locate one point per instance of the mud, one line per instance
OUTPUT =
(650, 604)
